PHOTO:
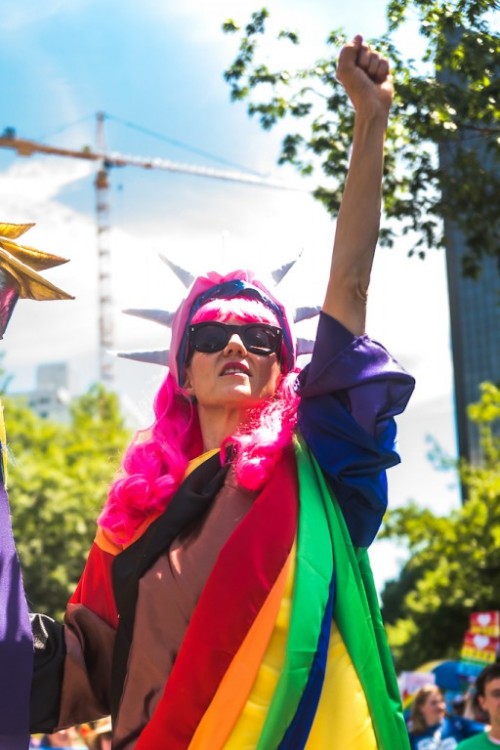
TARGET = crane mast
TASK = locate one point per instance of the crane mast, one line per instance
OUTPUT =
(104, 161)
(104, 287)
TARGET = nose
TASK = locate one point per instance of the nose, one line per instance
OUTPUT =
(235, 343)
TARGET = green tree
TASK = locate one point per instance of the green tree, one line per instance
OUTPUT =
(58, 479)
(448, 102)
(5, 377)
(454, 563)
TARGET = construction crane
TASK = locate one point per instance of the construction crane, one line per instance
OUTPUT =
(105, 161)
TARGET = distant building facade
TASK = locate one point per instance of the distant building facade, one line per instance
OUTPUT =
(51, 396)
(475, 337)
(474, 303)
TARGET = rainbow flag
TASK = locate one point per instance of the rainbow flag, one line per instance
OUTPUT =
(332, 583)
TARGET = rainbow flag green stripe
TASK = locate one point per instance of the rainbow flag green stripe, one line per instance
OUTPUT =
(358, 617)
(325, 549)
(314, 569)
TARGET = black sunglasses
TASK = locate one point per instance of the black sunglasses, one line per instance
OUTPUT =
(258, 338)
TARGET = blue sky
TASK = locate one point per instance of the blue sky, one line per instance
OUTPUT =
(159, 66)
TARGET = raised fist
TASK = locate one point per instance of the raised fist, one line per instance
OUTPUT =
(365, 75)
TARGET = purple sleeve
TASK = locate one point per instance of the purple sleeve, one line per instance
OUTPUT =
(16, 644)
(350, 394)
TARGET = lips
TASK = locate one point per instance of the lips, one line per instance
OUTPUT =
(235, 368)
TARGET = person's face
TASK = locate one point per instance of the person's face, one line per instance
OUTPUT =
(490, 701)
(233, 377)
(433, 709)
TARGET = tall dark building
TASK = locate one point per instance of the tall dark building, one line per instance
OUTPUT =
(475, 336)
(474, 303)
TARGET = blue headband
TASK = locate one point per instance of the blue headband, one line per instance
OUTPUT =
(237, 288)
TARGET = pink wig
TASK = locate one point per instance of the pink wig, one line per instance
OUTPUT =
(155, 463)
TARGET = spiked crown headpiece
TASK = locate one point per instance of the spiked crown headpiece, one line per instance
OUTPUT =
(241, 283)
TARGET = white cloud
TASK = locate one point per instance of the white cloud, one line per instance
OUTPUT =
(17, 17)
(313, 21)
(34, 181)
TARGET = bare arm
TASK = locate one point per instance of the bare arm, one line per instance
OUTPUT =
(366, 79)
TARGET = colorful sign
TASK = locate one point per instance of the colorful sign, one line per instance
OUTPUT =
(482, 639)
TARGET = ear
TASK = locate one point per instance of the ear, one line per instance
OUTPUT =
(187, 384)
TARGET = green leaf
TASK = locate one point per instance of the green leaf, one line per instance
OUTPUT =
(58, 481)
(445, 113)
(453, 564)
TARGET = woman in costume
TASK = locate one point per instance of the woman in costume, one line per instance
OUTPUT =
(227, 601)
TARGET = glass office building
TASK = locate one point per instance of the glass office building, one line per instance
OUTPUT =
(475, 336)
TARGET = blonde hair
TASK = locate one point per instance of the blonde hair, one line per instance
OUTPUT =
(417, 721)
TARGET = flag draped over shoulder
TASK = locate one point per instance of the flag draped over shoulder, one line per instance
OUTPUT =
(332, 588)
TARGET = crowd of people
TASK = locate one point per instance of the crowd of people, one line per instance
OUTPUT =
(473, 722)
(431, 727)
(95, 736)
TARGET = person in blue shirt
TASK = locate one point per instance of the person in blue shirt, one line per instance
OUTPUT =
(431, 729)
